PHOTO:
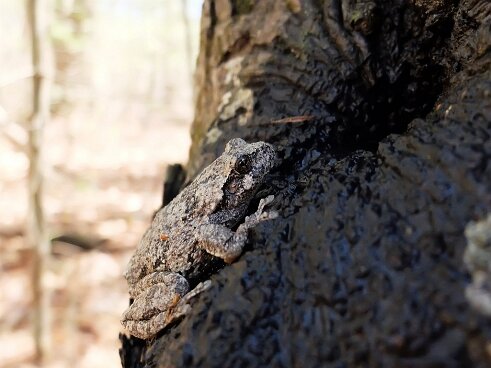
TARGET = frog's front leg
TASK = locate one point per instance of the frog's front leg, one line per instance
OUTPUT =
(155, 296)
(222, 242)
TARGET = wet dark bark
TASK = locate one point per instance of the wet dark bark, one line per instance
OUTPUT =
(364, 267)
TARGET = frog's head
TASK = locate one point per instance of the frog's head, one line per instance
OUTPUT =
(248, 164)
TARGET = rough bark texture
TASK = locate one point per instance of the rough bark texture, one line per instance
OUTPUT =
(364, 266)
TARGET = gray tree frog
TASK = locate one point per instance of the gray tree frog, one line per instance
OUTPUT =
(193, 231)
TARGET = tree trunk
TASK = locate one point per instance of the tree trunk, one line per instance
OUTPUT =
(36, 226)
(188, 41)
(381, 117)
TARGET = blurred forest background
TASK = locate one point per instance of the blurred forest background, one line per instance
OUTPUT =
(121, 104)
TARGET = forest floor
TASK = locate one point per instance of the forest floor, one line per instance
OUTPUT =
(103, 183)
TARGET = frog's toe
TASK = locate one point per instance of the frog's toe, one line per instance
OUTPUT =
(149, 312)
(146, 322)
(157, 320)
(145, 329)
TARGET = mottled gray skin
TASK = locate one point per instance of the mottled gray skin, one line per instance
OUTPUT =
(195, 225)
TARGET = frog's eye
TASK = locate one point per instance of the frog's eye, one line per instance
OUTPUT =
(243, 165)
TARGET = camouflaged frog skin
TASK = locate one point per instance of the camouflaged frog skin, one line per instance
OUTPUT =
(193, 229)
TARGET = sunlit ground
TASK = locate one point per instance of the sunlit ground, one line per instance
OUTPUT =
(121, 112)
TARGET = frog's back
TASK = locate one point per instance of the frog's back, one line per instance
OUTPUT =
(169, 244)
(163, 247)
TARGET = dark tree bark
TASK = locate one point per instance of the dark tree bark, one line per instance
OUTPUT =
(364, 266)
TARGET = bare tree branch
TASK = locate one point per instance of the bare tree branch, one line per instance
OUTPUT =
(189, 46)
(36, 226)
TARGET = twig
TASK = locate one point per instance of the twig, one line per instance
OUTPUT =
(16, 78)
(294, 119)
(15, 143)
